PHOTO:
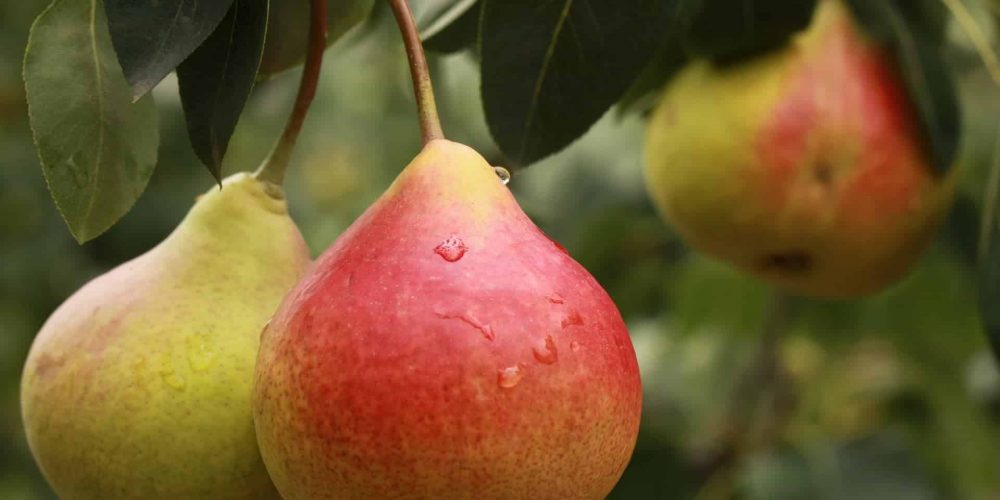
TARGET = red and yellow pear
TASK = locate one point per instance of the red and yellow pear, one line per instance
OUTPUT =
(804, 167)
(444, 347)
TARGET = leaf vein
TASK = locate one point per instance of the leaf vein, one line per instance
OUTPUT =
(543, 75)
(169, 31)
(100, 112)
(213, 130)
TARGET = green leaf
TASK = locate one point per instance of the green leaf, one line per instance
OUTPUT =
(448, 26)
(726, 30)
(152, 37)
(931, 16)
(551, 69)
(927, 17)
(96, 147)
(905, 30)
(668, 59)
(644, 93)
(216, 80)
(288, 30)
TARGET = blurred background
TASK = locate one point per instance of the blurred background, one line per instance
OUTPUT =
(896, 396)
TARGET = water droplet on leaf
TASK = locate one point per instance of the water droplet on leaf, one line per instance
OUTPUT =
(79, 173)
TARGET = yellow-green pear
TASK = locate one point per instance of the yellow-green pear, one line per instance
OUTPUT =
(804, 167)
(138, 386)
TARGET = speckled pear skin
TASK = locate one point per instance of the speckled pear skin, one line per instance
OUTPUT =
(804, 167)
(444, 348)
(138, 386)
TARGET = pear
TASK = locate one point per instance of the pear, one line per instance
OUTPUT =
(139, 385)
(804, 167)
(444, 347)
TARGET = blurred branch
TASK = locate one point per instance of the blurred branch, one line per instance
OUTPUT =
(759, 407)
(967, 21)
(990, 199)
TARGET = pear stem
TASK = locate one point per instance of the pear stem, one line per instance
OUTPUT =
(430, 124)
(274, 167)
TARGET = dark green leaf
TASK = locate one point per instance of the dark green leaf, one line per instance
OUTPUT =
(551, 69)
(643, 95)
(152, 37)
(669, 58)
(216, 80)
(911, 39)
(728, 29)
(931, 16)
(288, 30)
(448, 26)
(97, 148)
(927, 17)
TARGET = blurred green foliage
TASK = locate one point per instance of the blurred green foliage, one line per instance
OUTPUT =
(894, 396)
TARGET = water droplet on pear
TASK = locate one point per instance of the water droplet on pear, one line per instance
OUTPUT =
(574, 319)
(509, 377)
(503, 174)
(545, 352)
(483, 328)
(200, 355)
(172, 379)
(451, 249)
(558, 246)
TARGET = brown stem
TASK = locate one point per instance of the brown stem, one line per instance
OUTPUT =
(430, 124)
(274, 167)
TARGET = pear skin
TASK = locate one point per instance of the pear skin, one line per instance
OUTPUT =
(444, 347)
(138, 386)
(804, 167)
